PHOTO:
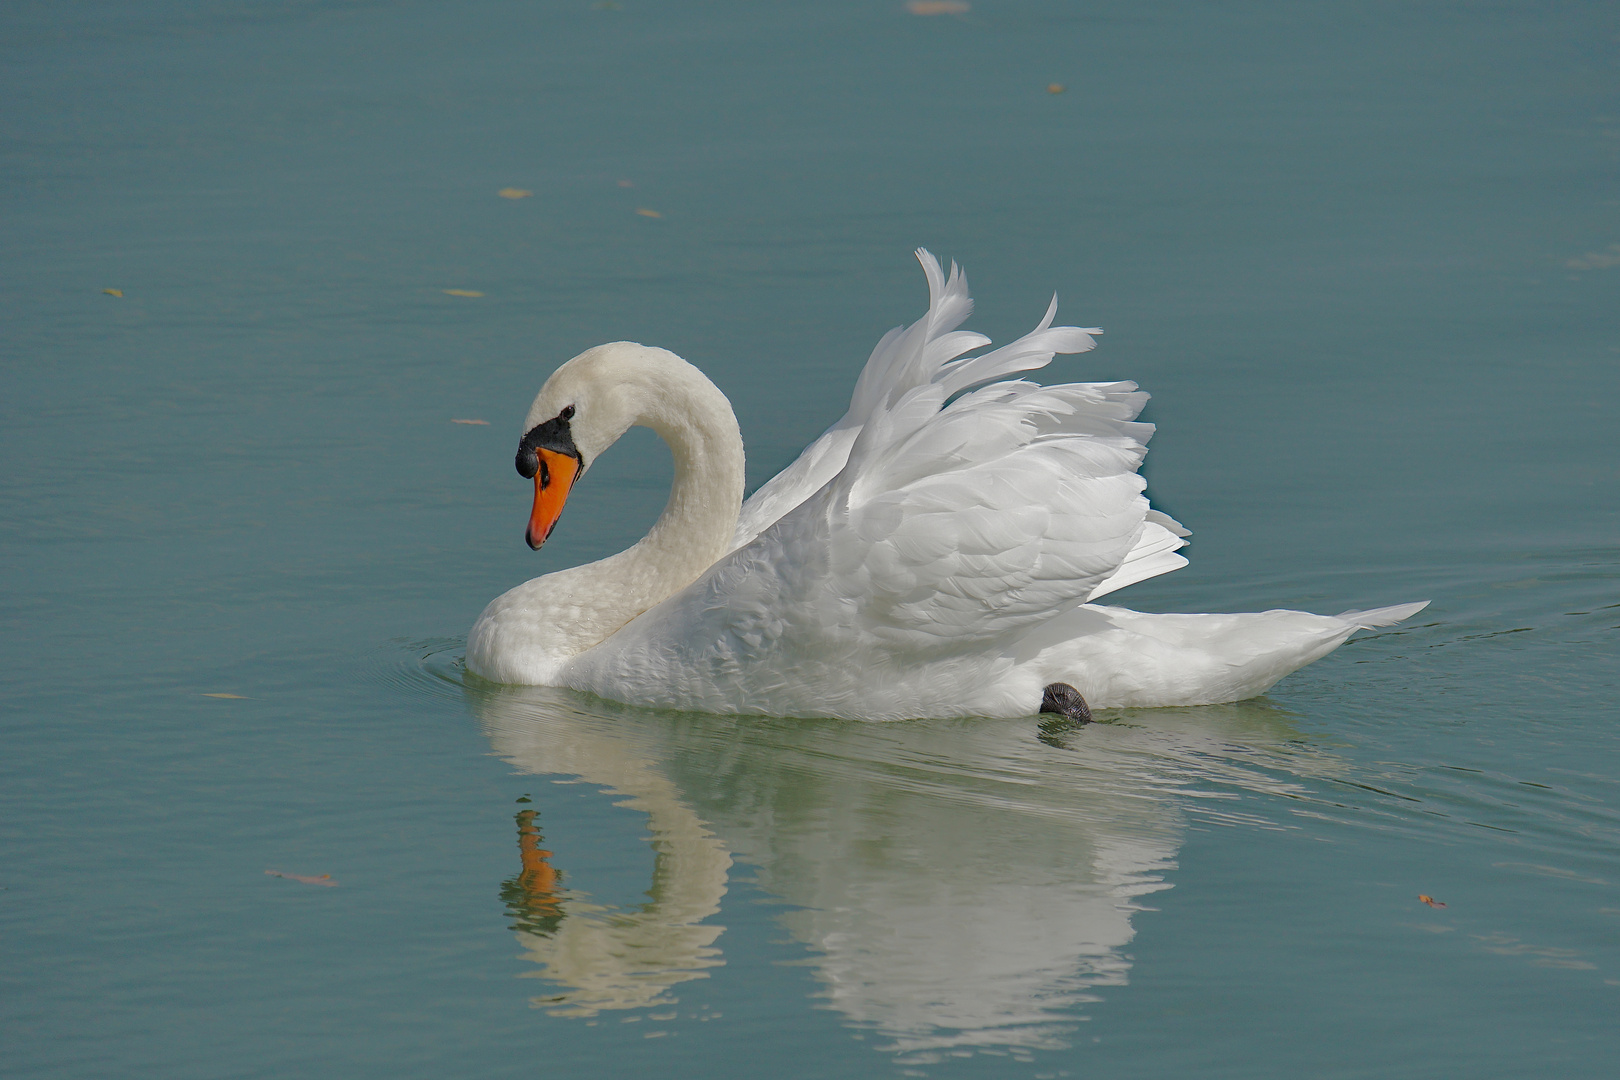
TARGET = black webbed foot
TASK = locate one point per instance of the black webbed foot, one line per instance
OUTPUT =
(1064, 712)
(1065, 701)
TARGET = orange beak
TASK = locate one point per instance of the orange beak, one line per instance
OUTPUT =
(552, 482)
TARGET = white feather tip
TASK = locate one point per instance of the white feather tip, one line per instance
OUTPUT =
(1384, 616)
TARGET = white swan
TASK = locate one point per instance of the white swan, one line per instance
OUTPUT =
(934, 553)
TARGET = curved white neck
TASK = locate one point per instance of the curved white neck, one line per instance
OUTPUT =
(525, 634)
(704, 501)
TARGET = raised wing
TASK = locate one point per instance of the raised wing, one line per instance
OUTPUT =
(907, 359)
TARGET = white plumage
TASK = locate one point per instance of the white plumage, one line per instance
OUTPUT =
(934, 553)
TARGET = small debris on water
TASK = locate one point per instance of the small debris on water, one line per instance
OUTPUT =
(644, 212)
(1431, 901)
(462, 292)
(1597, 260)
(323, 879)
(525, 798)
(514, 193)
(1055, 88)
(113, 292)
(485, 423)
(937, 7)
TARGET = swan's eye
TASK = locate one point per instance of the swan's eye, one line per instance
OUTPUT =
(567, 413)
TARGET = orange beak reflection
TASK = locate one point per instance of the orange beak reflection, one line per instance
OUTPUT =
(552, 481)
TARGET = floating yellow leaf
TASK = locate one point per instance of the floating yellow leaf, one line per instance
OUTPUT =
(937, 7)
(324, 879)
(513, 193)
(234, 697)
(1055, 88)
(113, 292)
(644, 212)
(1431, 901)
(461, 292)
(484, 422)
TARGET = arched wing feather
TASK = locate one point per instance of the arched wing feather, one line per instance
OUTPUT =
(925, 356)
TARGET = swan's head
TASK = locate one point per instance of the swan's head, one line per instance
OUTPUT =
(581, 411)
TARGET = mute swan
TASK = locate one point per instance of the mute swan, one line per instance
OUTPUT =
(935, 553)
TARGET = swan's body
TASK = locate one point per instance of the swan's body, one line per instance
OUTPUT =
(933, 554)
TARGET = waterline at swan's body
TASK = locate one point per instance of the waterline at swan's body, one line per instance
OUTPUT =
(935, 553)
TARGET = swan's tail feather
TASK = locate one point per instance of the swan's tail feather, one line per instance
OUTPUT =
(1384, 616)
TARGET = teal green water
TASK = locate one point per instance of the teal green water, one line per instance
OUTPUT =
(1366, 256)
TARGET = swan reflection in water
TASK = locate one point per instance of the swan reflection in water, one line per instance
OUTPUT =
(959, 884)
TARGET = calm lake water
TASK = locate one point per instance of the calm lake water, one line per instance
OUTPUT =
(1365, 255)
